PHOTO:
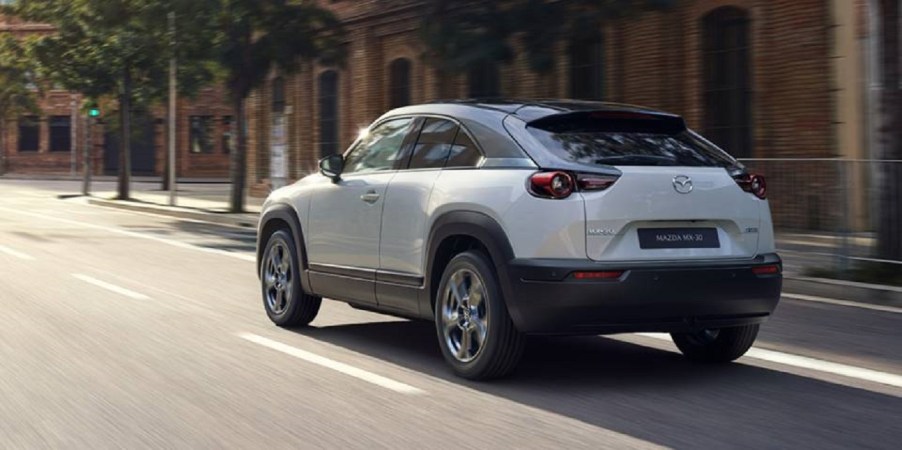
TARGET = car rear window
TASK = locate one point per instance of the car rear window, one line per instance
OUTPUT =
(626, 139)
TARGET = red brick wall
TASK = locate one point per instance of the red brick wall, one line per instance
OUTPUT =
(654, 59)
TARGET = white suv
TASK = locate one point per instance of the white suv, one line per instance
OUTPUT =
(498, 219)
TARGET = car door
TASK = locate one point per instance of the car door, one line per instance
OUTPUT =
(345, 217)
(404, 220)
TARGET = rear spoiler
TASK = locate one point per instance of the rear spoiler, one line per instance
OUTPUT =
(611, 121)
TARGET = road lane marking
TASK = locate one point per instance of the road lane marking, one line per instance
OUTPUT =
(346, 369)
(817, 365)
(15, 253)
(851, 304)
(111, 287)
(174, 243)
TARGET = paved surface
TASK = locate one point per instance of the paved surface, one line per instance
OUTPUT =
(127, 330)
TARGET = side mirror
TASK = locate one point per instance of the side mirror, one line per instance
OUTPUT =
(332, 166)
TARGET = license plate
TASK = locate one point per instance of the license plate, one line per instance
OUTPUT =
(653, 238)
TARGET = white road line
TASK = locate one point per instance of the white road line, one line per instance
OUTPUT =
(818, 365)
(15, 253)
(111, 287)
(174, 243)
(360, 374)
(833, 301)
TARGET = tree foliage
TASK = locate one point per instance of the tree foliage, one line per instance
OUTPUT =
(256, 37)
(461, 34)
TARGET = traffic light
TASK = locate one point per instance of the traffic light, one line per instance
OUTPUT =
(93, 109)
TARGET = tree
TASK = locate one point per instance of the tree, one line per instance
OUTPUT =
(256, 37)
(462, 34)
(17, 92)
(116, 48)
(889, 230)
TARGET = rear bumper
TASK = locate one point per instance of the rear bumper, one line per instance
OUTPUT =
(544, 297)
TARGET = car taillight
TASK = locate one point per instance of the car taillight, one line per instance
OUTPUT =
(753, 184)
(551, 184)
(594, 182)
(559, 184)
(771, 269)
(603, 275)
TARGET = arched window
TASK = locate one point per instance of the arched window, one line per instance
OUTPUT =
(484, 80)
(278, 95)
(587, 69)
(328, 113)
(399, 83)
(727, 80)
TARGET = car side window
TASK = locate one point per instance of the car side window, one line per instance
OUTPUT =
(464, 152)
(434, 144)
(380, 149)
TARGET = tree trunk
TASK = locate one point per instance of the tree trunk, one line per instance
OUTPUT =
(125, 144)
(3, 149)
(238, 168)
(889, 230)
(165, 178)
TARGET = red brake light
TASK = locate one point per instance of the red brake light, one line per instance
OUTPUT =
(772, 269)
(551, 184)
(753, 184)
(606, 275)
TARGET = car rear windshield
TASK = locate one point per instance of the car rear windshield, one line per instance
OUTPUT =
(618, 139)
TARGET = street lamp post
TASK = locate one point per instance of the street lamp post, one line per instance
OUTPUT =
(172, 109)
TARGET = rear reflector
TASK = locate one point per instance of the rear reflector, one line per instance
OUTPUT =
(606, 275)
(772, 269)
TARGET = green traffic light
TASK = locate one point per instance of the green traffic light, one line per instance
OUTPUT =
(94, 112)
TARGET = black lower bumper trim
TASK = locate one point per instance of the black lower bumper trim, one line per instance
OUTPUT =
(543, 297)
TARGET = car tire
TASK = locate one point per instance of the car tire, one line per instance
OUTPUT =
(469, 302)
(286, 303)
(716, 346)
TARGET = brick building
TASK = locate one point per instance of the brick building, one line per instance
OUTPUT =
(762, 78)
(53, 141)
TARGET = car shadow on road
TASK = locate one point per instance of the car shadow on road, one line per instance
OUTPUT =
(652, 394)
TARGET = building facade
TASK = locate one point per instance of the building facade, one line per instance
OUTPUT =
(762, 78)
(54, 139)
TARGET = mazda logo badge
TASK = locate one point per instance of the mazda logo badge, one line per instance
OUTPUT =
(682, 184)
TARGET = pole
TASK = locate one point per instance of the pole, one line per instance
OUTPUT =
(173, 185)
(86, 186)
(73, 138)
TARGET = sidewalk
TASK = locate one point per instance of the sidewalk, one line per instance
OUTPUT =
(206, 202)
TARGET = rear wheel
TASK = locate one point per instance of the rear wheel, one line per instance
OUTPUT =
(475, 331)
(716, 345)
(286, 303)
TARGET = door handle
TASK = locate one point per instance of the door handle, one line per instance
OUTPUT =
(370, 197)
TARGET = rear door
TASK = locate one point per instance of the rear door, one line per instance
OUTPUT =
(675, 198)
(404, 219)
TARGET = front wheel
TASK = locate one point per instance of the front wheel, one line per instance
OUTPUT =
(286, 303)
(475, 331)
(716, 345)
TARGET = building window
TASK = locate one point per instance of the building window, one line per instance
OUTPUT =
(60, 134)
(399, 86)
(587, 69)
(278, 95)
(201, 134)
(29, 134)
(727, 80)
(484, 81)
(328, 113)
(228, 137)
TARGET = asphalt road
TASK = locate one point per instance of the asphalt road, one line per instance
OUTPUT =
(127, 330)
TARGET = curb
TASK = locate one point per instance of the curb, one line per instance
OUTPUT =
(247, 220)
(872, 294)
